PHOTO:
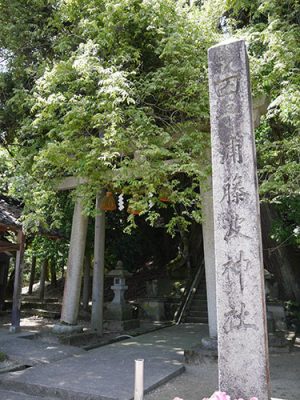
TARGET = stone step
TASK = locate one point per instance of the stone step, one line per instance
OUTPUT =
(36, 299)
(196, 320)
(25, 305)
(198, 307)
(202, 285)
(200, 291)
(199, 297)
(200, 314)
(44, 313)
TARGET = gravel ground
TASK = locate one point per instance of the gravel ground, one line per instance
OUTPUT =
(195, 383)
(199, 381)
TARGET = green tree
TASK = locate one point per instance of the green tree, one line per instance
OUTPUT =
(116, 92)
(271, 27)
(120, 98)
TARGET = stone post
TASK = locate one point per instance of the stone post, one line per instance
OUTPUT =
(209, 256)
(242, 335)
(71, 297)
(86, 282)
(98, 273)
(16, 307)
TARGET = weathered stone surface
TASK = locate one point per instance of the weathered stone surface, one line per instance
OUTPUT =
(71, 298)
(198, 355)
(119, 326)
(14, 329)
(98, 272)
(71, 182)
(118, 312)
(209, 256)
(4, 394)
(242, 338)
(62, 329)
(210, 343)
(32, 352)
(153, 309)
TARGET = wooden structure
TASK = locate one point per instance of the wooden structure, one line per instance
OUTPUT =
(10, 212)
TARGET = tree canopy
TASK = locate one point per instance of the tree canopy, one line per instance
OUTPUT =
(116, 92)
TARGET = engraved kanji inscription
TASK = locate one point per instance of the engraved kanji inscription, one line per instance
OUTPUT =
(234, 191)
(229, 65)
(236, 268)
(235, 318)
(232, 223)
(227, 86)
(231, 149)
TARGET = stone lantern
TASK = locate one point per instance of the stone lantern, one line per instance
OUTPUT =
(119, 313)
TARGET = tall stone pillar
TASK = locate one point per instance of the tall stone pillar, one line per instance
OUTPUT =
(16, 306)
(71, 297)
(209, 256)
(98, 274)
(86, 282)
(242, 334)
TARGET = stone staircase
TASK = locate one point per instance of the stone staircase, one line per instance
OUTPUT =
(196, 311)
(30, 305)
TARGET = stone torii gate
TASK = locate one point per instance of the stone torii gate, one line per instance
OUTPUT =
(77, 247)
(71, 298)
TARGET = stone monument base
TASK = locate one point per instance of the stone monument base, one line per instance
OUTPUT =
(206, 351)
(210, 343)
(152, 308)
(118, 312)
(63, 329)
(198, 355)
(14, 329)
(278, 343)
(120, 326)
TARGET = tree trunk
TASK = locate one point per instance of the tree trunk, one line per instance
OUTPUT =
(32, 274)
(53, 273)
(44, 268)
(196, 245)
(280, 260)
(47, 274)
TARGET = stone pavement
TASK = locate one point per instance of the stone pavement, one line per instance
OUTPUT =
(107, 373)
(8, 395)
(28, 351)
